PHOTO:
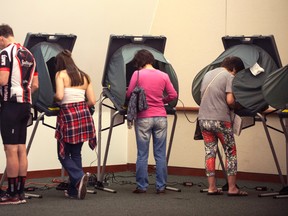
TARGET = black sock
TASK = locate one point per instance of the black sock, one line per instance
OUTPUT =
(21, 184)
(12, 184)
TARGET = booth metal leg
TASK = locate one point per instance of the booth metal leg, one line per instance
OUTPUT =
(99, 137)
(273, 153)
(99, 184)
(169, 150)
(283, 193)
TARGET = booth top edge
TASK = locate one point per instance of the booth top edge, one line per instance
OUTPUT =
(66, 41)
(266, 42)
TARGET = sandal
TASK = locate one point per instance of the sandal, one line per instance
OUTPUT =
(217, 192)
(239, 193)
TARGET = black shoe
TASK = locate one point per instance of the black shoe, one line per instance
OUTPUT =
(22, 198)
(160, 191)
(9, 200)
(138, 191)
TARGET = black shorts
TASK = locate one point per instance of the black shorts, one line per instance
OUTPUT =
(13, 122)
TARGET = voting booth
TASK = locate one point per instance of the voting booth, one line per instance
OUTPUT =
(117, 73)
(44, 47)
(262, 84)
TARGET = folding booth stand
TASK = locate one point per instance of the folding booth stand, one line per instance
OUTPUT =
(116, 77)
(254, 51)
(275, 90)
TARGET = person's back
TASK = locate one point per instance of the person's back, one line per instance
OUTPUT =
(75, 124)
(151, 122)
(72, 80)
(155, 82)
(215, 123)
(213, 103)
(71, 94)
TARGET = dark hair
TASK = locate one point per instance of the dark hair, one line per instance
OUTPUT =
(143, 57)
(64, 61)
(233, 62)
(6, 31)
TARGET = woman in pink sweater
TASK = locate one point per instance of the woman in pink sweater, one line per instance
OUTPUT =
(152, 121)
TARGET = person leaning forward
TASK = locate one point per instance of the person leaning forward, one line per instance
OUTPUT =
(215, 122)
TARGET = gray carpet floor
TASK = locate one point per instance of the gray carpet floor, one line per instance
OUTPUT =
(189, 201)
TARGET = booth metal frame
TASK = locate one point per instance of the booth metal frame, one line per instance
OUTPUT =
(149, 41)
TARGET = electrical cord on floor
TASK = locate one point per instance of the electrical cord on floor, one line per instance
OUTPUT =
(111, 177)
(33, 186)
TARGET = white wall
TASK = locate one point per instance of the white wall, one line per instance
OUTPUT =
(92, 21)
(193, 29)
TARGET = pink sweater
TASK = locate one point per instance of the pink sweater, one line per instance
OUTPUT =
(154, 82)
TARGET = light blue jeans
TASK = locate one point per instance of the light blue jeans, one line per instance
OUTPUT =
(144, 128)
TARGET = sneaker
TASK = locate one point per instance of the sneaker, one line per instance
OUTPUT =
(22, 198)
(2, 192)
(82, 188)
(6, 199)
(68, 196)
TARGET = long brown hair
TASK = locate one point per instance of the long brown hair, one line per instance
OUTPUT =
(64, 61)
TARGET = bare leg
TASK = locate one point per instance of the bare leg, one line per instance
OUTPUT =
(212, 184)
(12, 162)
(23, 162)
(232, 184)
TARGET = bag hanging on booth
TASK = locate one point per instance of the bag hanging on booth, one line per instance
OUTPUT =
(198, 134)
(236, 123)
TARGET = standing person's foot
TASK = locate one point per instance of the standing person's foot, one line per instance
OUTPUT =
(217, 192)
(7, 199)
(66, 194)
(82, 188)
(160, 191)
(22, 198)
(2, 192)
(139, 191)
(238, 193)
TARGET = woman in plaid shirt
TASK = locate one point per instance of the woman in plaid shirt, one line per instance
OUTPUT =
(75, 124)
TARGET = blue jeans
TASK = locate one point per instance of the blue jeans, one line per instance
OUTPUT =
(72, 163)
(144, 128)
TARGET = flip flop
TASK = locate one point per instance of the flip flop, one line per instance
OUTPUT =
(239, 193)
(218, 192)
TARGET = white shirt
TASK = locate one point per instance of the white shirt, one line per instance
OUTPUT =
(73, 95)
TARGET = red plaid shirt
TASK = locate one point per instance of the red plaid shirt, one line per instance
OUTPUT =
(74, 125)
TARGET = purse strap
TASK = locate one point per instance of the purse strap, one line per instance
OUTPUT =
(137, 78)
(211, 83)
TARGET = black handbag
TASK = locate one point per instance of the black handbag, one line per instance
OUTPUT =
(198, 134)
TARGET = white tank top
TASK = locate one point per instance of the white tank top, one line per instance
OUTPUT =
(73, 95)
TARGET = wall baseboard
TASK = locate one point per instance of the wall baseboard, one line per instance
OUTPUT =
(182, 171)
